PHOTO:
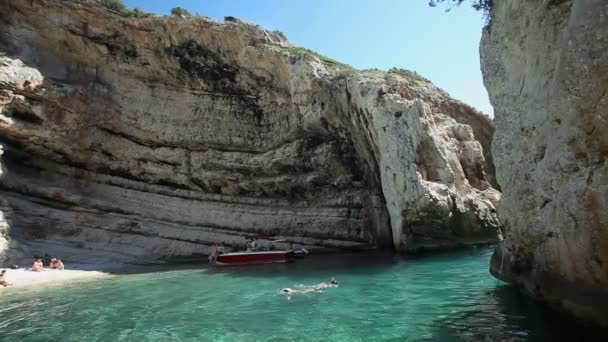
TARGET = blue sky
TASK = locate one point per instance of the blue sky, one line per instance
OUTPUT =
(443, 47)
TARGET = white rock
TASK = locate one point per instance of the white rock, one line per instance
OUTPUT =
(546, 69)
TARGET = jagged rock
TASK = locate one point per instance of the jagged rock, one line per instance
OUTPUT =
(545, 64)
(152, 138)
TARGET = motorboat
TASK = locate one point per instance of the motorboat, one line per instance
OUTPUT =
(244, 258)
(259, 257)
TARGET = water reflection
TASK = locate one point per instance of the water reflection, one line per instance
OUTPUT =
(506, 314)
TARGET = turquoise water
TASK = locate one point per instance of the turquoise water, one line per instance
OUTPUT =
(447, 297)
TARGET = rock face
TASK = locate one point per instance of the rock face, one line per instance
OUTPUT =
(545, 65)
(152, 138)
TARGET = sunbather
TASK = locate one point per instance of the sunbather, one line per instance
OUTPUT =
(3, 281)
(37, 265)
(57, 264)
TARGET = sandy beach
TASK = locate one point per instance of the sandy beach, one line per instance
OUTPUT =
(23, 277)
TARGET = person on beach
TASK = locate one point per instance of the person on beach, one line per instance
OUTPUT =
(37, 265)
(3, 280)
(56, 264)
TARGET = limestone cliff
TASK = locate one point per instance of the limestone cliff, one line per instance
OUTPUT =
(545, 64)
(152, 138)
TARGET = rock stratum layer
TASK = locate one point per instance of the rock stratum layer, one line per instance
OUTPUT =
(545, 65)
(152, 138)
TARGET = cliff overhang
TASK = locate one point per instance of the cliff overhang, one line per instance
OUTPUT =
(152, 138)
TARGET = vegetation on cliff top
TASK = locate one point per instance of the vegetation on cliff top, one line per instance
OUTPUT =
(342, 71)
(327, 61)
(338, 70)
(409, 74)
(180, 12)
(479, 5)
(120, 8)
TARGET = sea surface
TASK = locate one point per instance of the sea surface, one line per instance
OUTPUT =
(445, 297)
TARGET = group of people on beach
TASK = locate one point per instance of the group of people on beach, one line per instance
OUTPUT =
(37, 266)
(54, 263)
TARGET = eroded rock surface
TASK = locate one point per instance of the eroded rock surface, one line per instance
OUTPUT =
(153, 138)
(545, 65)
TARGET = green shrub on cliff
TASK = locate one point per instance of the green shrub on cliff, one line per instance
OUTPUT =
(180, 12)
(338, 70)
(408, 74)
(480, 5)
(344, 74)
(329, 62)
(120, 8)
(138, 13)
(114, 5)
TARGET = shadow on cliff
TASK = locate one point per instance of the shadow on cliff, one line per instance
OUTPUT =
(10, 250)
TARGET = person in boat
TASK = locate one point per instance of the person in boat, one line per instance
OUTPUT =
(314, 288)
(214, 252)
(57, 264)
(37, 265)
(3, 280)
(251, 245)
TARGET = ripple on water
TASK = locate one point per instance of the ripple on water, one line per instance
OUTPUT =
(447, 297)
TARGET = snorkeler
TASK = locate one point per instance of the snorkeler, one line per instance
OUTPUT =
(314, 288)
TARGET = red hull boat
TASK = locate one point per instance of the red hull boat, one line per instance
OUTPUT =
(243, 258)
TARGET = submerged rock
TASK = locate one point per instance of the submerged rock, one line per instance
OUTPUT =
(152, 138)
(545, 64)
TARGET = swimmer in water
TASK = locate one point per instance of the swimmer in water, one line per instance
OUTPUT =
(314, 288)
